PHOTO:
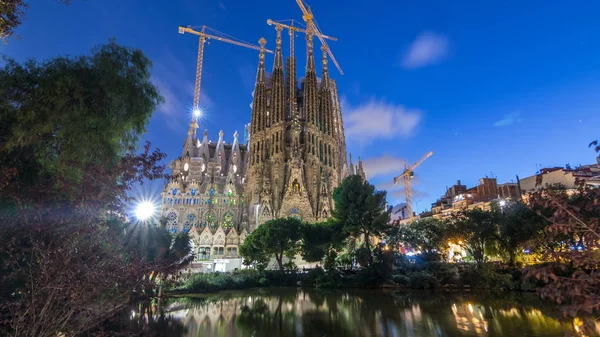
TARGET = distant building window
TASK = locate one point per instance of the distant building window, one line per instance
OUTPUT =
(218, 250)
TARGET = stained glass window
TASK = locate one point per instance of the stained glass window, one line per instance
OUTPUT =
(229, 193)
(228, 220)
(212, 192)
(172, 216)
(295, 214)
(187, 226)
(193, 191)
(210, 219)
(174, 191)
(190, 217)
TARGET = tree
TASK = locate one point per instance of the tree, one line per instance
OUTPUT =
(12, 13)
(517, 225)
(477, 229)
(426, 234)
(277, 238)
(321, 239)
(572, 277)
(361, 210)
(68, 157)
(596, 145)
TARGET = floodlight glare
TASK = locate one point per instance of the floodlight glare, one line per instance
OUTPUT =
(197, 112)
(144, 210)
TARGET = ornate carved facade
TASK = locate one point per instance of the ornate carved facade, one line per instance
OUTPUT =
(297, 152)
(294, 158)
(206, 195)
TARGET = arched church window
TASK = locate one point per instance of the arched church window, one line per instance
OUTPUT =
(174, 191)
(210, 220)
(296, 186)
(228, 220)
(211, 192)
(193, 191)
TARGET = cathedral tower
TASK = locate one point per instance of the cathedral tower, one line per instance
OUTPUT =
(297, 149)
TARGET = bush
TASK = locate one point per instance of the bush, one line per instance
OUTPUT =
(486, 277)
(423, 280)
(401, 280)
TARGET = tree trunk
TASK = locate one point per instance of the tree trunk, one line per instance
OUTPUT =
(279, 258)
(368, 246)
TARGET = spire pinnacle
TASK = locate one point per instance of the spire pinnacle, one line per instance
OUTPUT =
(278, 53)
(260, 77)
(310, 64)
(325, 75)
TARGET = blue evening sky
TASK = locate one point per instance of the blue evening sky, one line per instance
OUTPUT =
(493, 87)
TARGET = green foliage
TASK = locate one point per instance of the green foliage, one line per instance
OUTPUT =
(487, 278)
(211, 282)
(68, 135)
(423, 280)
(426, 234)
(318, 239)
(361, 210)
(476, 228)
(402, 280)
(277, 238)
(517, 224)
(60, 118)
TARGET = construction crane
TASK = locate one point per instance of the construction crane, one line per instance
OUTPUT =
(311, 24)
(408, 174)
(204, 36)
(291, 28)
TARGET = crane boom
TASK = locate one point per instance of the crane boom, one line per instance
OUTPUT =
(311, 24)
(297, 29)
(203, 38)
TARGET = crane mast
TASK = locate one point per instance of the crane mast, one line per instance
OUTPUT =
(203, 37)
(407, 176)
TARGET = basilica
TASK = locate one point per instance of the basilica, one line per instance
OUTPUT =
(291, 158)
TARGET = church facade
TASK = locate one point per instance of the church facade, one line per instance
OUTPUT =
(290, 163)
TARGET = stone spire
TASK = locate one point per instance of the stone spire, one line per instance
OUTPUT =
(190, 140)
(310, 82)
(326, 100)
(278, 99)
(259, 103)
(360, 171)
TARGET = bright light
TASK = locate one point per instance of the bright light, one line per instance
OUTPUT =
(503, 203)
(144, 210)
(197, 113)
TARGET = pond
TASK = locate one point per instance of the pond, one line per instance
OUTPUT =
(275, 312)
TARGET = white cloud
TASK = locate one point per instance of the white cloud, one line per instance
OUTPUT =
(171, 77)
(384, 165)
(428, 48)
(509, 119)
(378, 120)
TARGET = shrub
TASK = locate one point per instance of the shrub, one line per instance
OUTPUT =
(423, 280)
(401, 280)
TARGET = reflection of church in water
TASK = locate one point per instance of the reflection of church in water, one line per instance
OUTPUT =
(293, 158)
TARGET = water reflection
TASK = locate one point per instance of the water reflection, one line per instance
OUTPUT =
(294, 312)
